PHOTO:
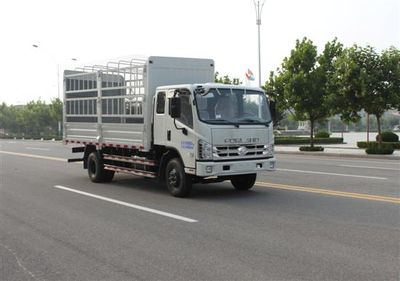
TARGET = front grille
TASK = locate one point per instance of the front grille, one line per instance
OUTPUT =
(245, 150)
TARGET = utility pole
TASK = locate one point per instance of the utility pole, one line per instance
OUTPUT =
(259, 8)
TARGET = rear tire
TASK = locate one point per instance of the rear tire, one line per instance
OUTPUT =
(96, 170)
(178, 182)
(244, 182)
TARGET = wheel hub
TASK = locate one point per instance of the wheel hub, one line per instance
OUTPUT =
(173, 178)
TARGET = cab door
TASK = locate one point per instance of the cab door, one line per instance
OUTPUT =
(160, 114)
(181, 135)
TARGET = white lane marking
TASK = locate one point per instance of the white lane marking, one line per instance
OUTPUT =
(138, 207)
(369, 167)
(332, 174)
(12, 142)
(37, 148)
(33, 156)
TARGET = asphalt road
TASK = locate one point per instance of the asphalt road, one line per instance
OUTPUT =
(316, 218)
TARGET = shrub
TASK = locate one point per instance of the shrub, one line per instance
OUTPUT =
(384, 148)
(322, 134)
(364, 144)
(309, 148)
(388, 137)
(306, 140)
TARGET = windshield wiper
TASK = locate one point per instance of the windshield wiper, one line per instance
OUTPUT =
(250, 120)
(226, 121)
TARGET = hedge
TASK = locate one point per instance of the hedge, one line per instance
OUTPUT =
(322, 134)
(374, 148)
(306, 140)
(364, 144)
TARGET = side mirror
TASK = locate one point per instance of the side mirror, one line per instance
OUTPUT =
(272, 109)
(175, 107)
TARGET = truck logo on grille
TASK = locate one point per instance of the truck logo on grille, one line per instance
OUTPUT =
(242, 150)
(240, 140)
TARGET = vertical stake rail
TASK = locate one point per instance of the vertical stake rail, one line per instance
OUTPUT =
(64, 118)
(99, 108)
(84, 101)
(58, 97)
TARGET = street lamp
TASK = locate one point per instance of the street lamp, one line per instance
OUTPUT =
(259, 8)
(58, 69)
(58, 77)
(58, 66)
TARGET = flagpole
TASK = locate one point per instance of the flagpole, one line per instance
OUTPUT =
(258, 22)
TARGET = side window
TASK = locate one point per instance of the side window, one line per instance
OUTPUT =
(186, 110)
(160, 107)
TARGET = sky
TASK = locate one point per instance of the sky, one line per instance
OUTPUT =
(226, 31)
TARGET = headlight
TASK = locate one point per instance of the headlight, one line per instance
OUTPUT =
(268, 150)
(205, 150)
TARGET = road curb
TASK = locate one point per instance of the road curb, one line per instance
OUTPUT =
(343, 155)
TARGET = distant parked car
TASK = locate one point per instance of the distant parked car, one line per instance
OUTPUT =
(396, 128)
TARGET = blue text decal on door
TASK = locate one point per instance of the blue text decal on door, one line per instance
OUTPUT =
(187, 144)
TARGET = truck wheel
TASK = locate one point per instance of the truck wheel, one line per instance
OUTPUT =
(96, 170)
(244, 182)
(178, 182)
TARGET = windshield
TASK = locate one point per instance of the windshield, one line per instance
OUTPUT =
(238, 106)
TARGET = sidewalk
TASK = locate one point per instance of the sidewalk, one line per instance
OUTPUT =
(338, 150)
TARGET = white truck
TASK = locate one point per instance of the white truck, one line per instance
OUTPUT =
(163, 117)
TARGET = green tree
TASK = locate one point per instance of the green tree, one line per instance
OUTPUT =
(5, 117)
(390, 76)
(34, 119)
(39, 118)
(274, 89)
(349, 81)
(56, 111)
(22, 119)
(307, 81)
(367, 80)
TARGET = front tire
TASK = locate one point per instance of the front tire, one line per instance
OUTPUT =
(244, 182)
(178, 182)
(96, 170)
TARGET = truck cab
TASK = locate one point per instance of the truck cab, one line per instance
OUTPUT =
(220, 132)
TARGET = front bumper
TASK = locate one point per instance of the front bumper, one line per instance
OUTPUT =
(227, 168)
